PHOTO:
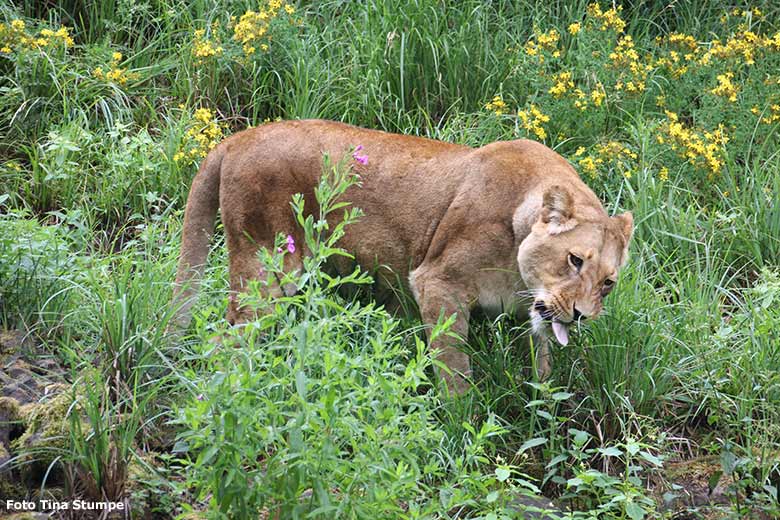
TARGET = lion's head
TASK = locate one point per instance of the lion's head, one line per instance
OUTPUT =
(570, 262)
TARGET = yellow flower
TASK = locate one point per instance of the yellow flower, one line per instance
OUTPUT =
(590, 165)
(289, 9)
(574, 28)
(116, 56)
(726, 87)
(497, 106)
(253, 26)
(203, 134)
(204, 115)
(117, 75)
(532, 121)
(609, 19)
(563, 82)
(663, 174)
(203, 48)
(702, 149)
(18, 25)
(598, 96)
(62, 34)
(542, 42)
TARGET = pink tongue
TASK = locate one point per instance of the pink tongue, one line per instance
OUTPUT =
(561, 332)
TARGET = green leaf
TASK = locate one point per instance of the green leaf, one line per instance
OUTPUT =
(492, 497)
(612, 451)
(634, 511)
(532, 443)
(632, 447)
(580, 437)
(557, 460)
(649, 457)
(502, 474)
(712, 482)
(544, 415)
(728, 462)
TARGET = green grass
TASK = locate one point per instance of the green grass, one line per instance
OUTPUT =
(92, 190)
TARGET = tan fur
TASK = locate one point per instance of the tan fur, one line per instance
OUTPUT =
(466, 227)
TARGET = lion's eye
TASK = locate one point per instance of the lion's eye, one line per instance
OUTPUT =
(575, 261)
(608, 283)
(607, 287)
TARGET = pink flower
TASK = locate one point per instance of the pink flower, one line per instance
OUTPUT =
(290, 244)
(360, 158)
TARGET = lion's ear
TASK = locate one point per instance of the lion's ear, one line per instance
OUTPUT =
(626, 225)
(625, 222)
(557, 206)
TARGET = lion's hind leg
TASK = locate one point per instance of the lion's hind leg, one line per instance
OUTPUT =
(245, 267)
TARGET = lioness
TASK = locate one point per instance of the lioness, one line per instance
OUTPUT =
(508, 226)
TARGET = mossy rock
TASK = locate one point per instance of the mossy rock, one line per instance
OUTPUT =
(46, 431)
(10, 342)
(11, 490)
(9, 409)
(10, 421)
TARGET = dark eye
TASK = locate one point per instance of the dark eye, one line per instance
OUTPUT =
(575, 261)
(607, 287)
(608, 283)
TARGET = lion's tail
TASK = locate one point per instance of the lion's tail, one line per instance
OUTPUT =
(199, 217)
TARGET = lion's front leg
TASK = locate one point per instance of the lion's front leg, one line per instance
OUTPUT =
(541, 343)
(543, 359)
(436, 298)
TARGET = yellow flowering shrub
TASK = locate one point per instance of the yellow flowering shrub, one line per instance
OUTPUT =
(243, 36)
(611, 155)
(625, 58)
(497, 106)
(693, 89)
(563, 83)
(541, 42)
(203, 133)
(606, 20)
(701, 148)
(726, 87)
(16, 36)
(532, 120)
(772, 114)
(252, 28)
(114, 73)
(203, 47)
